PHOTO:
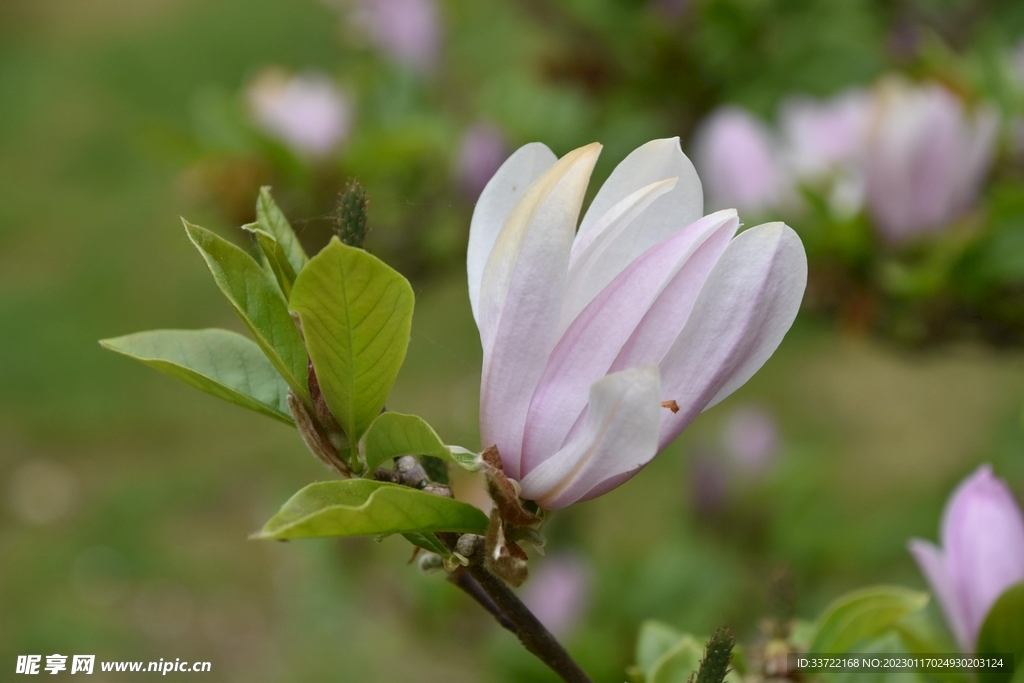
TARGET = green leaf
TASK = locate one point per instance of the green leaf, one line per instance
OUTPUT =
(678, 663)
(360, 507)
(257, 300)
(221, 363)
(271, 219)
(275, 258)
(655, 639)
(428, 542)
(356, 315)
(862, 614)
(393, 434)
(1003, 632)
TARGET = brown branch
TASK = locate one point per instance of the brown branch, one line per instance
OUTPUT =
(489, 591)
(469, 585)
(532, 634)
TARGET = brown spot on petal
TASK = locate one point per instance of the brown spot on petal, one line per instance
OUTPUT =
(671, 405)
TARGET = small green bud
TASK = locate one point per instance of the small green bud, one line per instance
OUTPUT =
(717, 657)
(350, 214)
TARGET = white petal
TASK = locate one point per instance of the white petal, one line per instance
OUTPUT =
(608, 248)
(501, 193)
(586, 351)
(743, 311)
(621, 436)
(636, 208)
(521, 297)
(649, 163)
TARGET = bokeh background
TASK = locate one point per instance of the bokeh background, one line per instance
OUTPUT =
(126, 499)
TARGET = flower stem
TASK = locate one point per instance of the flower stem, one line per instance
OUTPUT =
(470, 586)
(528, 628)
(489, 591)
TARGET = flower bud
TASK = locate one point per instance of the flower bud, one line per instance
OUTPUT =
(982, 553)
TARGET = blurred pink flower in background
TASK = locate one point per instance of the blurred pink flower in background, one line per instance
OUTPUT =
(982, 553)
(306, 112)
(1018, 60)
(821, 135)
(750, 437)
(926, 158)
(673, 9)
(558, 593)
(710, 482)
(408, 31)
(823, 146)
(1017, 64)
(481, 153)
(738, 161)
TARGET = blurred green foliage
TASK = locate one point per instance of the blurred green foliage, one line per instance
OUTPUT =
(126, 500)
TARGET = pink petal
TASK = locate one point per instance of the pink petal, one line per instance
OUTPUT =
(743, 311)
(933, 565)
(586, 350)
(621, 435)
(521, 297)
(983, 538)
(501, 193)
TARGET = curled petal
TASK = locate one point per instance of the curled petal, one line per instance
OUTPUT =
(501, 193)
(746, 306)
(521, 296)
(933, 565)
(674, 269)
(621, 435)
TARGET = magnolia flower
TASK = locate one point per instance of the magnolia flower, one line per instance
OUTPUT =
(306, 112)
(600, 345)
(481, 153)
(738, 159)
(982, 553)
(558, 593)
(925, 158)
